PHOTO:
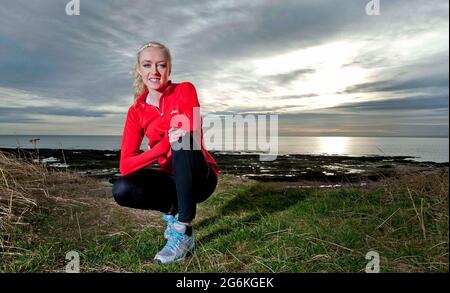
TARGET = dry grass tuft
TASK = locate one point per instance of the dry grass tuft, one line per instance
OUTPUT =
(37, 202)
(26, 187)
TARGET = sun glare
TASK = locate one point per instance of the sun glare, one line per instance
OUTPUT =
(333, 145)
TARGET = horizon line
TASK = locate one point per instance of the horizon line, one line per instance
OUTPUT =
(299, 135)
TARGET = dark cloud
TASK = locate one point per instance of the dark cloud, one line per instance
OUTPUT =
(440, 81)
(363, 124)
(86, 60)
(24, 114)
(295, 96)
(402, 104)
(10, 118)
(286, 78)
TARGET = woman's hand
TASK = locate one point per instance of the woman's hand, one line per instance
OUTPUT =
(175, 134)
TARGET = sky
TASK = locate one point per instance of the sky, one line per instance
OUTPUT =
(325, 67)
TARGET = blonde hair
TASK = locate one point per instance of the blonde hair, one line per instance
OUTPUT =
(138, 85)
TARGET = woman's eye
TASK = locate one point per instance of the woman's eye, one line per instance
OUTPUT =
(162, 65)
(146, 65)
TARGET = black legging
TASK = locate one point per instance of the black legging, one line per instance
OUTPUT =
(192, 182)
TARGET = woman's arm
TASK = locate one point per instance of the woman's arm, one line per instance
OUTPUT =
(131, 158)
(189, 106)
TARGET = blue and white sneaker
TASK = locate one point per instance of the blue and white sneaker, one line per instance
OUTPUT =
(178, 245)
(170, 220)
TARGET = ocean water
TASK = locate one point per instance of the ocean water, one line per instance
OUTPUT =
(434, 149)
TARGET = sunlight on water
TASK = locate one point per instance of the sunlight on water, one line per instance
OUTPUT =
(333, 145)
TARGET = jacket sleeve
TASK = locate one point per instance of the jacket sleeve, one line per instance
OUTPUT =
(189, 106)
(131, 158)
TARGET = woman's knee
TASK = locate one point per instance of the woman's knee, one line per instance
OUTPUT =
(122, 191)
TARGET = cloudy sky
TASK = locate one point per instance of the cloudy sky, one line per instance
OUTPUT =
(325, 66)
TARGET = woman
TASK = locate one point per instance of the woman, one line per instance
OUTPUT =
(168, 115)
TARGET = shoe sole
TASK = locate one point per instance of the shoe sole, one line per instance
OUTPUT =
(187, 255)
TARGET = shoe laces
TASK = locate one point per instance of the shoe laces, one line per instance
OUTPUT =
(174, 240)
(169, 219)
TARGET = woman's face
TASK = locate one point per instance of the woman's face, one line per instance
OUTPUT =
(154, 68)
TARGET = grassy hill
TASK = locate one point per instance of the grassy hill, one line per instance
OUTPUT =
(244, 227)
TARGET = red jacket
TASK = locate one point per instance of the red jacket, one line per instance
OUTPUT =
(144, 119)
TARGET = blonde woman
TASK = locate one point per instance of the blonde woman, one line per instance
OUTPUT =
(187, 172)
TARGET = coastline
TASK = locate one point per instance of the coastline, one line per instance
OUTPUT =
(325, 170)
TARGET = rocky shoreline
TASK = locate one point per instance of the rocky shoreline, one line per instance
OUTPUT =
(332, 170)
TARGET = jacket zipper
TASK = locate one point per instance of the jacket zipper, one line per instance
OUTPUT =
(161, 113)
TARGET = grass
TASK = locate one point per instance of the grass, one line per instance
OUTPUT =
(244, 227)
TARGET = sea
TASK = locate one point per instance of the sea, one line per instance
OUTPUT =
(435, 149)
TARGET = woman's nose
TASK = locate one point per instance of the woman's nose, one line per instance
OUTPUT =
(154, 69)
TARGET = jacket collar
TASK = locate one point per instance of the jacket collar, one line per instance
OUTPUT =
(167, 91)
